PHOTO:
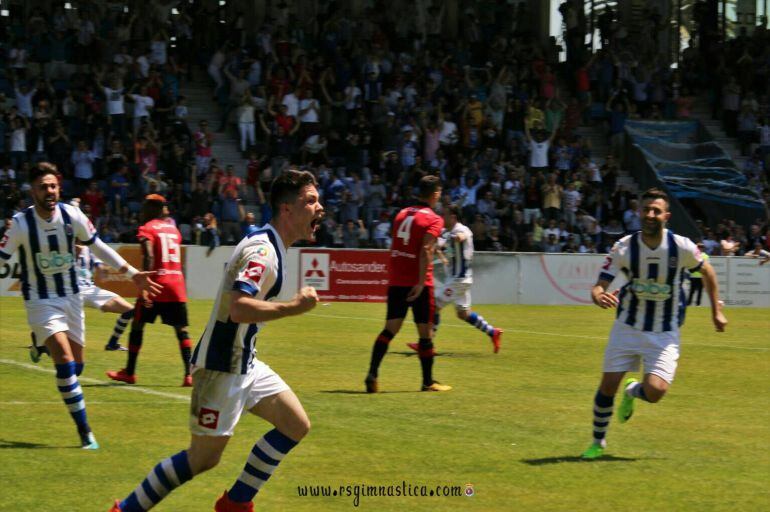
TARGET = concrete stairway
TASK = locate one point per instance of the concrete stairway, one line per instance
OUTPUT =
(600, 148)
(201, 107)
(702, 112)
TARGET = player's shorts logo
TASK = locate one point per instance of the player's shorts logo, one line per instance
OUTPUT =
(208, 418)
(448, 292)
(262, 251)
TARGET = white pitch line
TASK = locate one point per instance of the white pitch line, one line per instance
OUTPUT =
(90, 402)
(136, 389)
(540, 333)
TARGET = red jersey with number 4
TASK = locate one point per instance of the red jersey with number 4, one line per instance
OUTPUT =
(167, 258)
(409, 229)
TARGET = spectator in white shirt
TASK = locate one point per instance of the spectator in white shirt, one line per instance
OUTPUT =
(632, 221)
(142, 106)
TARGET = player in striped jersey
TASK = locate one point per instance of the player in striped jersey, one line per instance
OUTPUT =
(650, 311)
(456, 242)
(94, 297)
(227, 377)
(98, 298)
(45, 236)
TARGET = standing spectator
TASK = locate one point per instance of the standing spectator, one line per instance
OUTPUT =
(246, 122)
(632, 220)
(82, 162)
(571, 204)
(143, 103)
(552, 198)
(203, 140)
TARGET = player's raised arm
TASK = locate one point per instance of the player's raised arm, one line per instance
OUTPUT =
(712, 290)
(426, 256)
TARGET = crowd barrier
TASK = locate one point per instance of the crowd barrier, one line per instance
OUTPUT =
(362, 275)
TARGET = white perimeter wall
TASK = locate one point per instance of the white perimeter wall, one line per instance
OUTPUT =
(499, 278)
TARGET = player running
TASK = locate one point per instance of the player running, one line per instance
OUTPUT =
(45, 235)
(456, 242)
(415, 231)
(651, 310)
(228, 378)
(162, 252)
(95, 298)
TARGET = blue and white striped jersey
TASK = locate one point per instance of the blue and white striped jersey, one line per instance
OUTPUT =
(47, 250)
(459, 254)
(86, 264)
(653, 299)
(257, 268)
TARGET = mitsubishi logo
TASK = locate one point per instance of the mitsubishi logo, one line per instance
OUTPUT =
(315, 270)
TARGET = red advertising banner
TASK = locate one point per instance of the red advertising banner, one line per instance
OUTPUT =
(345, 275)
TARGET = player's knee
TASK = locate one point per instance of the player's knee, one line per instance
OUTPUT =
(299, 428)
(200, 462)
(462, 314)
(654, 394)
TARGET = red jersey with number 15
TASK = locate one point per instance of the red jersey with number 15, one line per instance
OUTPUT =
(409, 229)
(167, 258)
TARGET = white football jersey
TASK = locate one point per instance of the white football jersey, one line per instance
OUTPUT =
(47, 250)
(257, 268)
(459, 254)
(85, 266)
(653, 299)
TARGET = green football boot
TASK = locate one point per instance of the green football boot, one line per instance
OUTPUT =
(626, 409)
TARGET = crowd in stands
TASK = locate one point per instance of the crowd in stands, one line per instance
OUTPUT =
(369, 103)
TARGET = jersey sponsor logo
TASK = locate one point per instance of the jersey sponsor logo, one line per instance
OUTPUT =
(649, 289)
(607, 263)
(208, 418)
(255, 270)
(315, 270)
(54, 262)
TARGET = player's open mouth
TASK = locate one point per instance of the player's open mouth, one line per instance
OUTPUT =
(50, 201)
(315, 224)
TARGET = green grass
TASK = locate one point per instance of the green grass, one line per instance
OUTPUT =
(512, 426)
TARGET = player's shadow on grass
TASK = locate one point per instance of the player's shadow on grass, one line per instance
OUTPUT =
(362, 392)
(412, 353)
(575, 458)
(120, 384)
(5, 444)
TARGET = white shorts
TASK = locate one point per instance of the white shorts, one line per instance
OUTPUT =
(94, 297)
(46, 317)
(627, 346)
(454, 291)
(219, 398)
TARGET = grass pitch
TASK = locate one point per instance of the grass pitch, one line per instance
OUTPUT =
(513, 427)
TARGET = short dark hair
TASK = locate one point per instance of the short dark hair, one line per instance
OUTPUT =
(428, 186)
(42, 169)
(286, 187)
(454, 209)
(151, 209)
(655, 193)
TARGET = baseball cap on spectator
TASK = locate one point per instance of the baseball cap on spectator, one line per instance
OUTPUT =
(406, 128)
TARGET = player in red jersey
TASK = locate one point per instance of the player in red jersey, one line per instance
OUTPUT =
(162, 252)
(415, 232)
